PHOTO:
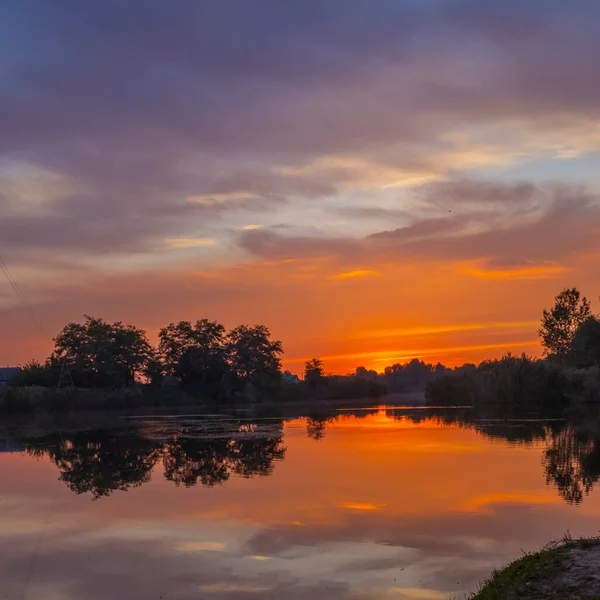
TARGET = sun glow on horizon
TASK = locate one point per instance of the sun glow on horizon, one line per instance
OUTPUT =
(403, 356)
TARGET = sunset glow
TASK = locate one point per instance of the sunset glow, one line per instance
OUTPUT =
(421, 187)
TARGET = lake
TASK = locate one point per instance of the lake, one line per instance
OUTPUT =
(357, 504)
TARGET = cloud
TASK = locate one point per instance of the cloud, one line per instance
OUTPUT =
(357, 273)
(433, 329)
(274, 246)
(536, 236)
(471, 193)
(181, 243)
(511, 270)
(134, 115)
(362, 506)
(355, 133)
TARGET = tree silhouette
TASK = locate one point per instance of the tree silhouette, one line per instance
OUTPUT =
(254, 357)
(411, 376)
(195, 354)
(102, 354)
(313, 372)
(586, 343)
(560, 323)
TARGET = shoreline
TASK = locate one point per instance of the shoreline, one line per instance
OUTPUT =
(565, 570)
(35, 399)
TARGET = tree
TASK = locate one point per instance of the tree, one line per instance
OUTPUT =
(102, 354)
(195, 354)
(254, 357)
(131, 352)
(412, 376)
(364, 373)
(313, 372)
(586, 343)
(560, 323)
(154, 371)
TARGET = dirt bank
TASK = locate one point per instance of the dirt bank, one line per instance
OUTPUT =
(567, 570)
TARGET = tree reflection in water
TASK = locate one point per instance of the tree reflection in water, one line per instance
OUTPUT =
(208, 453)
(101, 462)
(189, 459)
(572, 462)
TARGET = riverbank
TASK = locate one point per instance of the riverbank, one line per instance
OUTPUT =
(517, 386)
(566, 570)
(36, 399)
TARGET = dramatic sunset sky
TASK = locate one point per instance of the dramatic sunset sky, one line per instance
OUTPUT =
(375, 180)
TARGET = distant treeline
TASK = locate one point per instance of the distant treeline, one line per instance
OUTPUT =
(410, 377)
(202, 360)
(568, 373)
(212, 364)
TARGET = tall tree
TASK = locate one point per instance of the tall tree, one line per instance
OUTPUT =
(313, 371)
(102, 354)
(196, 354)
(131, 351)
(586, 343)
(560, 323)
(254, 356)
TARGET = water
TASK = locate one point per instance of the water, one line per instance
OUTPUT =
(401, 504)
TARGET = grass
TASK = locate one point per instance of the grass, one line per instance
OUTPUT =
(529, 576)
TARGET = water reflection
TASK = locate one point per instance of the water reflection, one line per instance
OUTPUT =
(572, 463)
(100, 462)
(209, 450)
(353, 505)
(571, 458)
(189, 459)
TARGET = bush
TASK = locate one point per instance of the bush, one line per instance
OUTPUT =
(350, 387)
(585, 384)
(521, 384)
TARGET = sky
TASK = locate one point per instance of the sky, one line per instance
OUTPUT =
(374, 180)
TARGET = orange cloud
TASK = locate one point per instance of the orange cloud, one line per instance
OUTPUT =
(418, 331)
(179, 243)
(487, 502)
(357, 273)
(522, 271)
(362, 506)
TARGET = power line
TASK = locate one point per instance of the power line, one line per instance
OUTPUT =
(19, 293)
(65, 373)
